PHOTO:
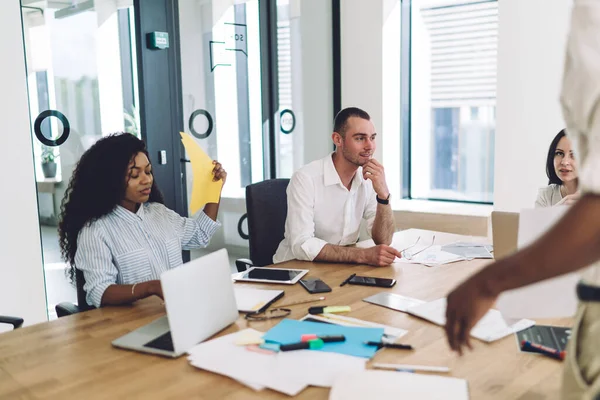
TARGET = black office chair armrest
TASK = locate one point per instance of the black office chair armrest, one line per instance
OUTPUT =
(63, 309)
(14, 321)
(243, 264)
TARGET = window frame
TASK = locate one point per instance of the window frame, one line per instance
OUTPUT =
(406, 106)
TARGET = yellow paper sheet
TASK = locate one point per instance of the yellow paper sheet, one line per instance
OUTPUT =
(204, 189)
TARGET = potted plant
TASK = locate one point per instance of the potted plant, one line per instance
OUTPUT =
(48, 162)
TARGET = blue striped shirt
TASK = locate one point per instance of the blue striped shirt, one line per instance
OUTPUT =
(126, 248)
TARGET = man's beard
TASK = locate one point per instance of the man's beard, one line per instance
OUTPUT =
(353, 159)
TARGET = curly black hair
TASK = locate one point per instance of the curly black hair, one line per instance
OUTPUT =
(96, 187)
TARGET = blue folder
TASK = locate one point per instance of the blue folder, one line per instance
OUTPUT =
(290, 331)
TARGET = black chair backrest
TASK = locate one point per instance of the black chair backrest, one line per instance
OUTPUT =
(266, 205)
(80, 282)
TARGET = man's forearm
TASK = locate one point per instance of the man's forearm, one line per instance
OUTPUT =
(573, 243)
(383, 226)
(333, 253)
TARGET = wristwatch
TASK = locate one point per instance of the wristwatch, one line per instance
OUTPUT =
(383, 201)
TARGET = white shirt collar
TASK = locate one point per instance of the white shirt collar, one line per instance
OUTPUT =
(331, 176)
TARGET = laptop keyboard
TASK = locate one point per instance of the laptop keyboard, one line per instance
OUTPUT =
(163, 342)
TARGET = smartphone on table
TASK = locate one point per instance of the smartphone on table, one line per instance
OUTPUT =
(370, 281)
(315, 285)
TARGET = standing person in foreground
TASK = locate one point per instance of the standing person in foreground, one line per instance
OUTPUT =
(574, 242)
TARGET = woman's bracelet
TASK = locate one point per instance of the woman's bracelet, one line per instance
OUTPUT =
(132, 291)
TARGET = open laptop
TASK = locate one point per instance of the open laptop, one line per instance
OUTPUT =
(199, 301)
(505, 233)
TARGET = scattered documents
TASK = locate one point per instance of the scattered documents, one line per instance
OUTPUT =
(371, 384)
(468, 251)
(290, 331)
(317, 368)
(552, 298)
(257, 370)
(286, 372)
(490, 328)
(390, 333)
(393, 301)
(204, 189)
(254, 300)
(431, 256)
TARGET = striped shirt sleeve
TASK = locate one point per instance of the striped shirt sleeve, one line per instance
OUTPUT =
(193, 232)
(94, 258)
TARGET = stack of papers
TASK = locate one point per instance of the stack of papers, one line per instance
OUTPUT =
(290, 331)
(490, 328)
(397, 385)
(469, 251)
(286, 372)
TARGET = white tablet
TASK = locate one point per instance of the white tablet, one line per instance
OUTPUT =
(271, 275)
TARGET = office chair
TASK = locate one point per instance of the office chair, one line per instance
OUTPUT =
(65, 308)
(266, 205)
(14, 321)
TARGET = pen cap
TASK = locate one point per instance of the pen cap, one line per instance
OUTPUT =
(316, 310)
(315, 344)
(308, 336)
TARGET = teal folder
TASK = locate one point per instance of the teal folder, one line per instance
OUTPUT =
(290, 331)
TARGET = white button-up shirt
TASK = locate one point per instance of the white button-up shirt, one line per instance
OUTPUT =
(322, 210)
(581, 99)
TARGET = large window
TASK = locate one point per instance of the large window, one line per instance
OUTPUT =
(450, 54)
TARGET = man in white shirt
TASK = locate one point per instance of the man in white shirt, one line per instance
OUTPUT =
(328, 198)
(574, 242)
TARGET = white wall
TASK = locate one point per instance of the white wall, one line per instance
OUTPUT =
(22, 291)
(317, 78)
(361, 24)
(532, 38)
(370, 70)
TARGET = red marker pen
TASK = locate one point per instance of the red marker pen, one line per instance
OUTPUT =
(545, 350)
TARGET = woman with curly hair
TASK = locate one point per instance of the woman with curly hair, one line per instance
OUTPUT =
(115, 229)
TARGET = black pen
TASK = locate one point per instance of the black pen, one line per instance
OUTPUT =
(348, 280)
(390, 345)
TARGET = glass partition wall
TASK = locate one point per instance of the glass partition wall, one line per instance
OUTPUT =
(82, 84)
(241, 92)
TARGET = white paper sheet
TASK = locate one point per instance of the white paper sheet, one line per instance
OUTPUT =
(490, 328)
(371, 384)
(317, 368)
(390, 333)
(430, 256)
(552, 298)
(393, 301)
(254, 369)
(252, 299)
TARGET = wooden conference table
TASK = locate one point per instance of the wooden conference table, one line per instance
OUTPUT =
(72, 357)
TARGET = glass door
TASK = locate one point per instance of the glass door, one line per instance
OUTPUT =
(221, 87)
(82, 83)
